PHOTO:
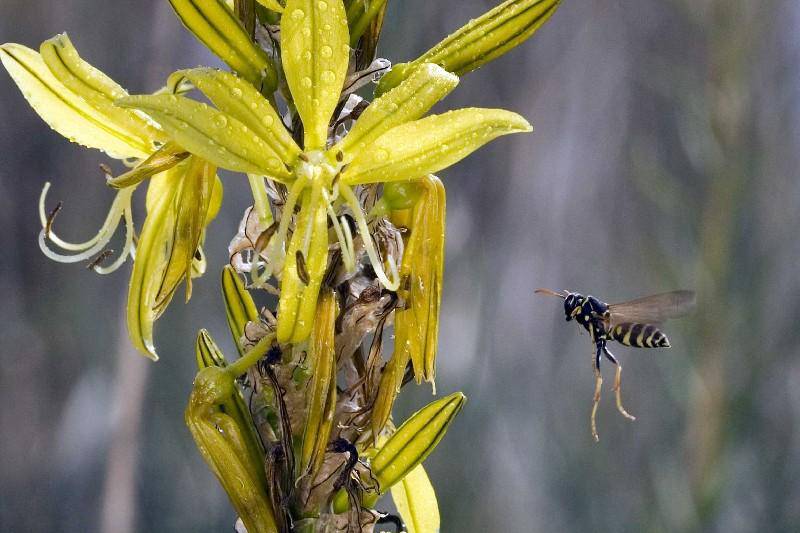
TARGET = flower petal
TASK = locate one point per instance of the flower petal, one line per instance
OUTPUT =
(240, 100)
(416, 502)
(426, 85)
(219, 29)
(315, 55)
(321, 395)
(482, 39)
(298, 300)
(417, 326)
(97, 89)
(213, 135)
(414, 440)
(64, 111)
(430, 144)
(177, 205)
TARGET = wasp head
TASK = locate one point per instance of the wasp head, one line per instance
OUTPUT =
(571, 302)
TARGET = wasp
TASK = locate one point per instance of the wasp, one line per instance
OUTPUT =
(634, 323)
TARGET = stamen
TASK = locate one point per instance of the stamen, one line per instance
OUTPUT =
(127, 249)
(302, 272)
(51, 217)
(105, 254)
(363, 229)
(276, 252)
(347, 256)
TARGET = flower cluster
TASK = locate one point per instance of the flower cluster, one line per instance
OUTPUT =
(346, 230)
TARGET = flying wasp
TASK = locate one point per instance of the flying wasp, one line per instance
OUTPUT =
(633, 323)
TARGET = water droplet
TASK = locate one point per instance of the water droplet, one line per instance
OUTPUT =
(326, 51)
(236, 92)
(328, 76)
(322, 5)
(273, 163)
(220, 121)
(381, 155)
(306, 31)
(183, 125)
(307, 55)
(298, 14)
(267, 120)
(305, 82)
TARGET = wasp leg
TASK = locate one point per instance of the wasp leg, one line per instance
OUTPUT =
(618, 385)
(598, 384)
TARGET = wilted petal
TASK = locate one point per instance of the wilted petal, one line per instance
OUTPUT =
(315, 55)
(430, 144)
(218, 28)
(321, 395)
(162, 159)
(63, 110)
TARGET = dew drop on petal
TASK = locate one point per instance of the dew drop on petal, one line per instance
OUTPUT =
(236, 92)
(381, 155)
(267, 120)
(220, 121)
(328, 76)
(326, 51)
(298, 14)
(322, 5)
(305, 82)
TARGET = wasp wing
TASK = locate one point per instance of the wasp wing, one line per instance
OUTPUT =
(653, 309)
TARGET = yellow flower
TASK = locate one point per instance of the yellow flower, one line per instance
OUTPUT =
(389, 142)
(77, 101)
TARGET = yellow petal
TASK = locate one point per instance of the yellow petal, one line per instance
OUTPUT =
(63, 110)
(315, 55)
(240, 100)
(416, 502)
(211, 134)
(430, 144)
(298, 299)
(409, 101)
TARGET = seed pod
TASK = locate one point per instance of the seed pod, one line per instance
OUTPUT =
(414, 440)
(321, 397)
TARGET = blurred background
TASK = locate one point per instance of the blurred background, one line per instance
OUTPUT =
(665, 156)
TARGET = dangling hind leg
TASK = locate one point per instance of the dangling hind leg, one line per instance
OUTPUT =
(598, 385)
(618, 385)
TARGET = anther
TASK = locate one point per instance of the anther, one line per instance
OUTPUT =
(302, 273)
(97, 261)
(51, 217)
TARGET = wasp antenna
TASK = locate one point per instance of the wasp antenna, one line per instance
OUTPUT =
(548, 292)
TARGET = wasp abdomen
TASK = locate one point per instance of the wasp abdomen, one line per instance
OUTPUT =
(639, 335)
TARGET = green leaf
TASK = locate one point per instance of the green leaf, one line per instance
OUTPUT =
(162, 159)
(219, 29)
(210, 134)
(315, 55)
(430, 144)
(414, 440)
(239, 306)
(321, 395)
(482, 39)
(416, 502)
(426, 85)
(237, 98)
(63, 110)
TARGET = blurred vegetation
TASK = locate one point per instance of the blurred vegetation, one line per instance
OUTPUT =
(666, 156)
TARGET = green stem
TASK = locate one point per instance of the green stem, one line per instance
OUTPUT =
(251, 357)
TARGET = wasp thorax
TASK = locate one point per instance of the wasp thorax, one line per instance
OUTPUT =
(571, 303)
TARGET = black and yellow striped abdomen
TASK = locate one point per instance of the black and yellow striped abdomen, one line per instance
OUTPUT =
(639, 335)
